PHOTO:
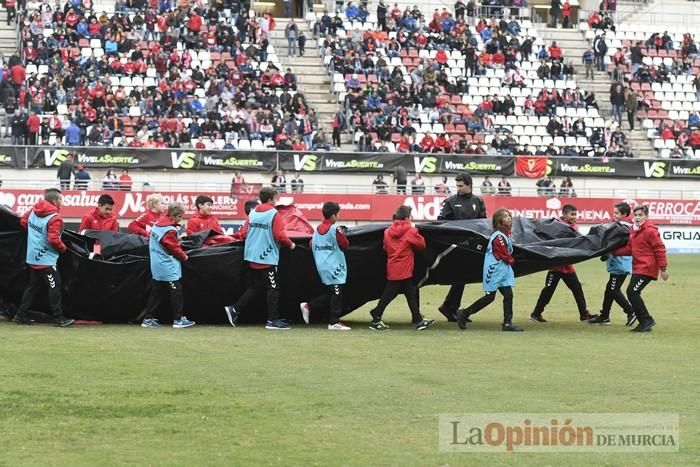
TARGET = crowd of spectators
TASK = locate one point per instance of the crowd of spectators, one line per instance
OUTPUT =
(152, 74)
(386, 101)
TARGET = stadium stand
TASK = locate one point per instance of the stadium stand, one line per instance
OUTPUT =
(493, 87)
(153, 75)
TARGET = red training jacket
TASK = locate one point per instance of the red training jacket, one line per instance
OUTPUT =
(200, 222)
(142, 224)
(278, 232)
(401, 239)
(567, 268)
(55, 226)
(169, 240)
(96, 221)
(647, 250)
(500, 249)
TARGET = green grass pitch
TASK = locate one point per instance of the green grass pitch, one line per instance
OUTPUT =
(123, 395)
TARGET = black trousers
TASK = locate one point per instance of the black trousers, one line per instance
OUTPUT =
(630, 118)
(391, 290)
(336, 137)
(159, 289)
(487, 299)
(452, 300)
(634, 294)
(613, 292)
(550, 285)
(262, 279)
(41, 281)
(333, 301)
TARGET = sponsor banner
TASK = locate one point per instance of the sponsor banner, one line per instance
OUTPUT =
(681, 239)
(45, 157)
(684, 169)
(340, 162)
(478, 165)
(335, 162)
(531, 166)
(12, 157)
(559, 432)
(366, 207)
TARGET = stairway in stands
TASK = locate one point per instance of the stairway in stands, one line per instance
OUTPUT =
(8, 36)
(573, 43)
(312, 78)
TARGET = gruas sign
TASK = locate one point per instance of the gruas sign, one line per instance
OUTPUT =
(363, 207)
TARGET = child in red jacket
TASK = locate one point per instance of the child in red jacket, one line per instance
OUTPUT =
(567, 273)
(648, 258)
(401, 239)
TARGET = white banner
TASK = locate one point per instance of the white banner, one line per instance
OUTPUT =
(681, 239)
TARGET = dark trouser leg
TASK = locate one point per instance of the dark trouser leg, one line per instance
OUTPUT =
(507, 293)
(613, 291)
(452, 300)
(176, 298)
(336, 136)
(411, 293)
(481, 303)
(634, 294)
(391, 290)
(550, 285)
(572, 282)
(630, 119)
(256, 286)
(273, 293)
(154, 299)
(52, 279)
(336, 299)
(34, 286)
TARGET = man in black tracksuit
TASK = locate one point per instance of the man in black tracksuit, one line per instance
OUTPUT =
(463, 205)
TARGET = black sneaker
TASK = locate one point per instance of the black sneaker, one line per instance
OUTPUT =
(6, 316)
(231, 314)
(63, 322)
(645, 326)
(424, 324)
(451, 317)
(537, 318)
(631, 319)
(23, 320)
(463, 319)
(510, 327)
(586, 317)
(600, 319)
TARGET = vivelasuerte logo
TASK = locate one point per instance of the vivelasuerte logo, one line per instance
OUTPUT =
(586, 168)
(352, 164)
(472, 166)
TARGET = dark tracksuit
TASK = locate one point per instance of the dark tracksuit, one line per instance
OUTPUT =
(458, 207)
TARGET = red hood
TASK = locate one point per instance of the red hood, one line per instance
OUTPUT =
(43, 208)
(165, 221)
(399, 228)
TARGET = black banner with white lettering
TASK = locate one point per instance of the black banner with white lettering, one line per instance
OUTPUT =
(12, 157)
(337, 162)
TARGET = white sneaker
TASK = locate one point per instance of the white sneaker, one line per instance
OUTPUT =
(338, 327)
(305, 311)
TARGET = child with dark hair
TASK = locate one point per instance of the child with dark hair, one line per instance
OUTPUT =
(498, 273)
(203, 220)
(166, 256)
(567, 273)
(401, 240)
(327, 245)
(648, 260)
(264, 234)
(618, 267)
(102, 217)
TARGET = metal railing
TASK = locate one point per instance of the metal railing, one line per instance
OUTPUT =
(360, 189)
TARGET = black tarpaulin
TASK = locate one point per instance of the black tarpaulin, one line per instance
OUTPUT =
(114, 287)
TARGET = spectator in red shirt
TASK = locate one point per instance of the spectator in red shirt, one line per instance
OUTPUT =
(427, 142)
(442, 144)
(694, 140)
(555, 52)
(19, 74)
(101, 218)
(155, 205)
(33, 127)
(194, 24)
